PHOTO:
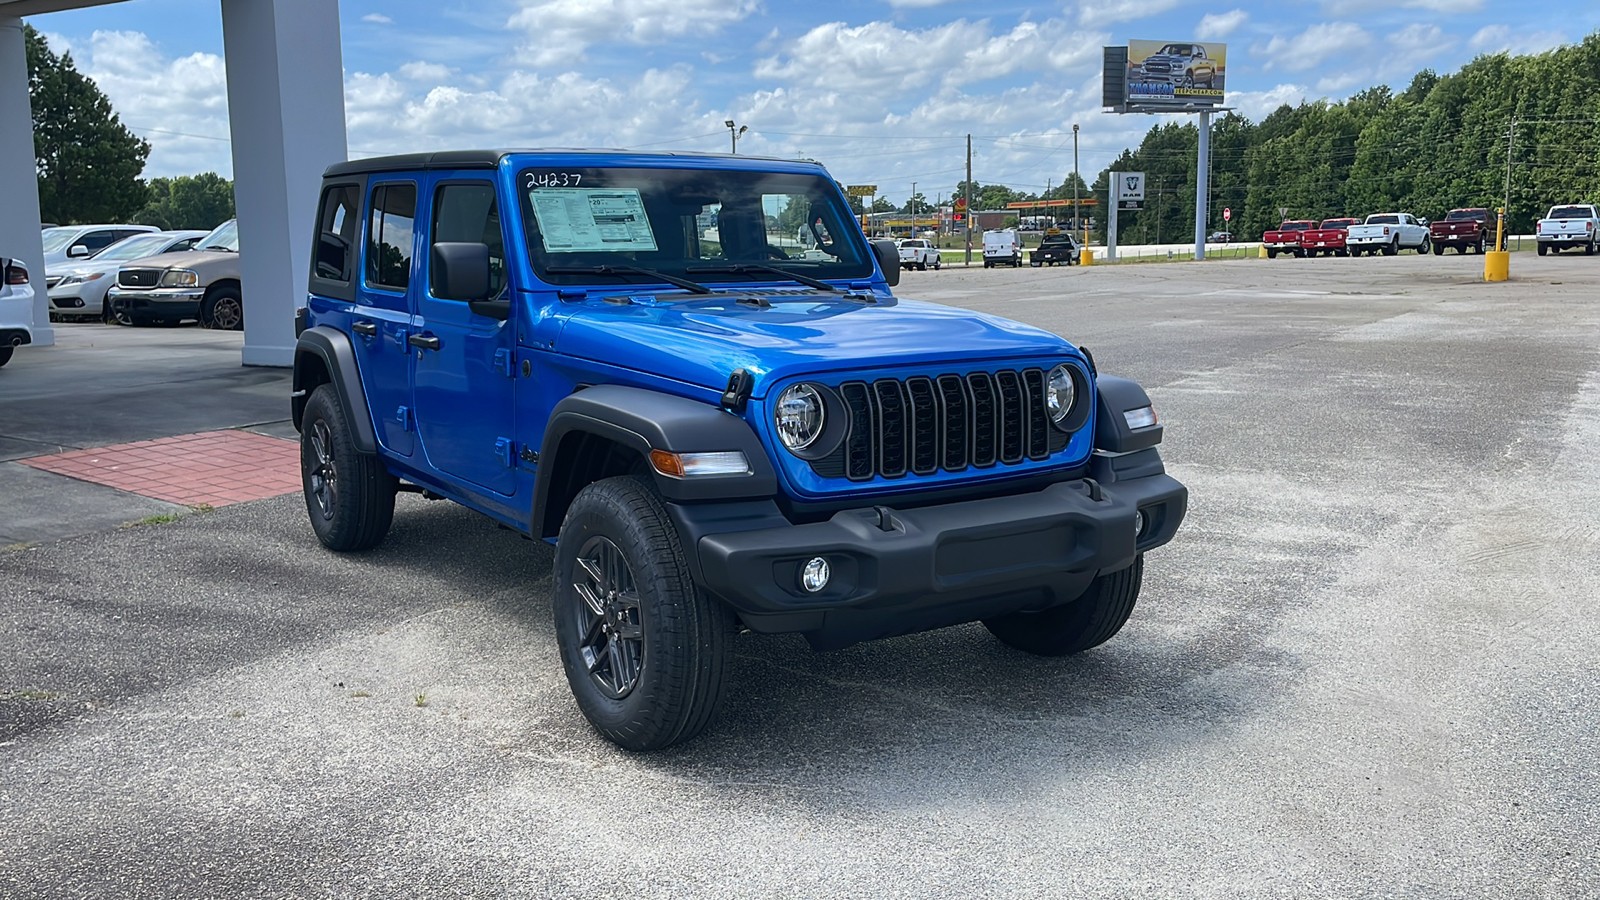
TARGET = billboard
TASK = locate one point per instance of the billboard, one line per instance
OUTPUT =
(1176, 73)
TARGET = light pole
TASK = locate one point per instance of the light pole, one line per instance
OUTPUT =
(913, 204)
(735, 134)
(1077, 216)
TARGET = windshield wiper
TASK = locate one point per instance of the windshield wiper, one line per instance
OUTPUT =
(752, 268)
(674, 280)
(220, 247)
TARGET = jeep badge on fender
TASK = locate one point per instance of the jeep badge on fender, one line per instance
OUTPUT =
(691, 374)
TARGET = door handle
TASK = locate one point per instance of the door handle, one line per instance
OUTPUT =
(370, 329)
(423, 342)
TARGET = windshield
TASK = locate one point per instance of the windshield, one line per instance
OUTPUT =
(1461, 215)
(56, 238)
(134, 247)
(686, 223)
(1383, 220)
(1572, 212)
(1178, 49)
(1056, 240)
(223, 237)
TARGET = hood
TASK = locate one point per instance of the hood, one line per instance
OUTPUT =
(704, 340)
(182, 259)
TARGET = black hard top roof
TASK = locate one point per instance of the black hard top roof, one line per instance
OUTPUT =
(489, 159)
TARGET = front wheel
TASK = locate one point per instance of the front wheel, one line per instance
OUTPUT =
(349, 494)
(644, 649)
(1086, 622)
(223, 310)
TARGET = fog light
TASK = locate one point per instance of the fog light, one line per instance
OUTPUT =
(814, 577)
(1139, 523)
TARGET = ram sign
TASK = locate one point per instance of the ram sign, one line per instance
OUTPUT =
(1175, 73)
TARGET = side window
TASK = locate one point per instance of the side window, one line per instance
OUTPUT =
(98, 240)
(337, 224)
(185, 244)
(466, 212)
(390, 221)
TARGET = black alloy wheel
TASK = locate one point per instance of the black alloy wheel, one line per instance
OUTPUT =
(612, 641)
(349, 495)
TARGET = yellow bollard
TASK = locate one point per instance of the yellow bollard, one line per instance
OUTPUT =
(1496, 265)
(1087, 259)
(1263, 253)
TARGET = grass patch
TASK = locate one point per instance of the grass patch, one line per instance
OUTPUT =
(18, 547)
(164, 518)
(422, 700)
(31, 694)
(363, 694)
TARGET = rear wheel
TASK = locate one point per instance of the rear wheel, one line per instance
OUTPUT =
(1543, 249)
(1086, 622)
(1272, 253)
(349, 494)
(5, 354)
(1438, 249)
(644, 649)
(1391, 248)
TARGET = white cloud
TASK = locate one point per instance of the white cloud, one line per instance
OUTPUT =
(1099, 13)
(880, 56)
(425, 71)
(179, 105)
(1420, 41)
(1317, 44)
(377, 19)
(1220, 25)
(559, 31)
(1501, 39)
(916, 4)
(1255, 105)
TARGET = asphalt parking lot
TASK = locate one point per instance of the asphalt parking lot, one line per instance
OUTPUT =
(1364, 668)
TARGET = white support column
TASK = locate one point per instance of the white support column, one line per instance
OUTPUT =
(19, 173)
(286, 113)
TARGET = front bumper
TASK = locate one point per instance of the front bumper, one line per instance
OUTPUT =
(156, 303)
(900, 571)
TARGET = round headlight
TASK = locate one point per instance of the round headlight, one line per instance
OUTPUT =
(799, 416)
(1059, 393)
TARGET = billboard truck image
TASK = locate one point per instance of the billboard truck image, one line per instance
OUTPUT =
(1177, 72)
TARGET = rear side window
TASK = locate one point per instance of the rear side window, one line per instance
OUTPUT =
(390, 225)
(98, 240)
(466, 212)
(338, 223)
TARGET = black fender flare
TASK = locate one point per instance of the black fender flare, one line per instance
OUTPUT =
(338, 358)
(1116, 396)
(644, 420)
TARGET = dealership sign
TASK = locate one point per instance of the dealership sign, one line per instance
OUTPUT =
(1181, 74)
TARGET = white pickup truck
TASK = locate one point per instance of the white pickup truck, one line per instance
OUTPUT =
(918, 253)
(1573, 225)
(1388, 233)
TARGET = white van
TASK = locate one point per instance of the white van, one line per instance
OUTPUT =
(1001, 248)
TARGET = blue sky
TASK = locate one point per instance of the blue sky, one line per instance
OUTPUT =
(881, 91)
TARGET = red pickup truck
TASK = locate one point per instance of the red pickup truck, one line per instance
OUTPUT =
(1327, 238)
(1287, 238)
(1460, 228)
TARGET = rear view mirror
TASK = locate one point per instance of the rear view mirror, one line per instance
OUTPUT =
(77, 251)
(889, 260)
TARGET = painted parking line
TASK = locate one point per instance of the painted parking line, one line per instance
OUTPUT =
(214, 468)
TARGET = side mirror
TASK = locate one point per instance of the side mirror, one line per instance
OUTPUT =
(77, 251)
(888, 260)
(460, 271)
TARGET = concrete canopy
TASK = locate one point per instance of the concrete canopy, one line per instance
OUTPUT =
(286, 115)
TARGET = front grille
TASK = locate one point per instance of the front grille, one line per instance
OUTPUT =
(921, 425)
(139, 277)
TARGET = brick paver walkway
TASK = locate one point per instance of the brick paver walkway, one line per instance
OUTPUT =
(214, 468)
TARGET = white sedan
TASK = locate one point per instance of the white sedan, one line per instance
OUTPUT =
(77, 288)
(16, 308)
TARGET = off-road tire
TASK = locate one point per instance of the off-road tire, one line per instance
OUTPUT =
(5, 354)
(1086, 622)
(223, 309)
(349, 494)
(683, 633)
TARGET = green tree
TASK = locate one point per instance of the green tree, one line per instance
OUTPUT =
(89, 162)
(200, 202)
(883, 205)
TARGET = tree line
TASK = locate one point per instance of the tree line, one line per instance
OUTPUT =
(1441, 144)
(89, 163)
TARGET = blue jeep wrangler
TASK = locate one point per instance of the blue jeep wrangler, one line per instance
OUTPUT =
(690, 374)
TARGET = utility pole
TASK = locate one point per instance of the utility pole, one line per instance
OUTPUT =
(1160, 207)
(912, 203)
(735, 134)
(969, 199)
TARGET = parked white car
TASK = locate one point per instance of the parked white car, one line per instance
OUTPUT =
(78, 288)
(16, 308)
(1572, 225)
(916, 253)
(65, 242)
(1001, 248)
(1389, 233)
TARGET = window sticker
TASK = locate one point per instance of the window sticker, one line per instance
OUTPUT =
(574, 220)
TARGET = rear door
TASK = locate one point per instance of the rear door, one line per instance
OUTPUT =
(465, 364)
(380, 319)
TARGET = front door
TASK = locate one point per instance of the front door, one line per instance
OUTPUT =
(465, 379)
